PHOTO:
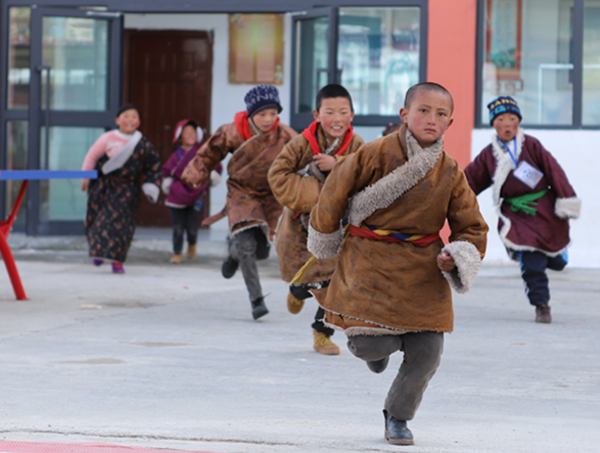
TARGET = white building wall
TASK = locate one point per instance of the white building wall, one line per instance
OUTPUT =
(576, 152)
(227, 98)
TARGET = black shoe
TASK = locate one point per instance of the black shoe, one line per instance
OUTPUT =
(229, 267)
(396, 431)
(377, 366)
(542, 314)
(259, 309)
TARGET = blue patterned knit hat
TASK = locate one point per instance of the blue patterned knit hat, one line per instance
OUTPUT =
(262, 97)
(503, 104)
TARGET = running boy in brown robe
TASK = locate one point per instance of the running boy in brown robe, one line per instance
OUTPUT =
(254, 139)
(296, 178)
(391, 287)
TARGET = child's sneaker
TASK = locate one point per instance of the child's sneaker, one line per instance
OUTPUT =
(118, 268)
(176, 259)
(191, 251)
(97, 262)
(324, 345)
(229, 267)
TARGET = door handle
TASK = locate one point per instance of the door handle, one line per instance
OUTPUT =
(47, 116)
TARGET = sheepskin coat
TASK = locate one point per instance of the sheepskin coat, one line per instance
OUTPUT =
(546, 232)
(299, 194)
(250, 202)
(391, 288)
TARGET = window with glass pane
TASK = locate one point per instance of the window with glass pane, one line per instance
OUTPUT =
(378, 56)
(16, 159)
(18, 58)
(76, 51)
(591, 63)
(528, 55)
(311, 64)
(62, 199)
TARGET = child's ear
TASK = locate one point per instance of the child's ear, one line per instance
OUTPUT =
(316, 115)
(117, 121)
(403, 114)
(450, 122)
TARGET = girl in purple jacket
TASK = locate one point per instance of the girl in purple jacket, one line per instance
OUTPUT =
(184, 201)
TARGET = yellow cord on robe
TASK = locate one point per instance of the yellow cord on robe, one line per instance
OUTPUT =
(300, 274)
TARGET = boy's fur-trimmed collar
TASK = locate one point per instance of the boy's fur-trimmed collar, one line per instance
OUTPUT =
(504, 163)
(385, 191)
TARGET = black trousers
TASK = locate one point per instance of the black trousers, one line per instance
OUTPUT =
(184, 219)
(319, 325)
(533, 271)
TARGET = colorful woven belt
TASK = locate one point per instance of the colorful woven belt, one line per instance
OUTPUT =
(377, 234)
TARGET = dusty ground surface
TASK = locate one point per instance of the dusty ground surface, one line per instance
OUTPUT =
(169, 357)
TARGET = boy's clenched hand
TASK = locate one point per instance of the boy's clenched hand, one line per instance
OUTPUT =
(445, 262)
(325, 162)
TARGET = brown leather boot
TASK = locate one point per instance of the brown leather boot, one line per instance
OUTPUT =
(294, 305)
(191, 251)
(542, 314)
(176, 259)
(324, 345)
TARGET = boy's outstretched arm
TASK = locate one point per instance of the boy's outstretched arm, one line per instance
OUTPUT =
(208, 157)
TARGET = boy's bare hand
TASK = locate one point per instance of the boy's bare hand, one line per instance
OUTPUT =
(445, 262)
(85, 184)
(325, 162)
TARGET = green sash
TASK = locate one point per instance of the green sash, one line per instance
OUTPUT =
(526, 203)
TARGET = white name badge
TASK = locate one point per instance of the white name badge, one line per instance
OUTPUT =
(527, 174)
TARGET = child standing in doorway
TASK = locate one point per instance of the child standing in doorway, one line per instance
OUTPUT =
(184, 201)
(254, 139)
(533, 198)
(127, 165)
(296, 177)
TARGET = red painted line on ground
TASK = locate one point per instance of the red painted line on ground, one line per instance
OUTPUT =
(7, 446)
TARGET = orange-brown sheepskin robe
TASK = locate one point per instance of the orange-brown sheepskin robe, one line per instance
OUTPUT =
(250, 202)
(299, 194)
(386, 288)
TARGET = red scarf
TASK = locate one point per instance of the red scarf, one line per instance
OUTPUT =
(310, 133)
(243, 127)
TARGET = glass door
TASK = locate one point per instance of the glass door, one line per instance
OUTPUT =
(74, 96)
(314, 44)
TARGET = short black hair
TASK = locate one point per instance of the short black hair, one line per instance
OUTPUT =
(426, 86)
(126, 107)
(333, 90)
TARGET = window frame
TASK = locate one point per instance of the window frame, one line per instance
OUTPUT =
(576, 121)
(299, 120)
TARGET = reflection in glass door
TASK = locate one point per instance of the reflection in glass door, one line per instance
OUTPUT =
(312, 73)
(313, 64)
(76, 50)
(74, 96)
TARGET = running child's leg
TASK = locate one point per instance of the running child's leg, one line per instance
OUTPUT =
(191, 229)
(422, 356)
(533, 271)
(178, 219)
(243, 250)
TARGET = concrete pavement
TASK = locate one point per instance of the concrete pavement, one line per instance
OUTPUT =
(169, 357)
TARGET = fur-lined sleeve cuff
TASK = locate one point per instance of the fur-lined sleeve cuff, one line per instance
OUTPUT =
(468, 262)
(323, 245)
(567, 208)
